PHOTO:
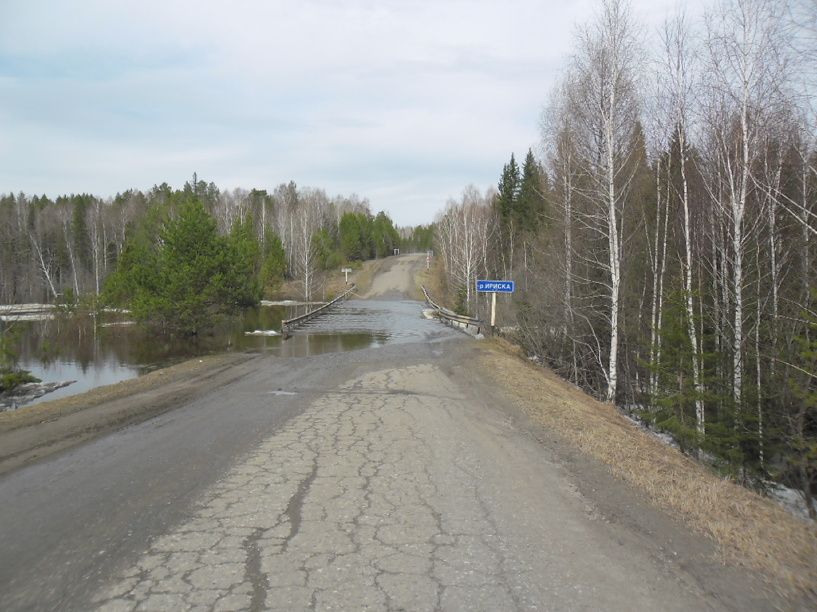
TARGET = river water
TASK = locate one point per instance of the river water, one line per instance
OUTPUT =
(100, 352)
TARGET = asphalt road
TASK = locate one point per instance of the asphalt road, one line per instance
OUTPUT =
(385, 478)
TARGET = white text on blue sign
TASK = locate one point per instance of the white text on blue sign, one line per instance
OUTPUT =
(494, 285)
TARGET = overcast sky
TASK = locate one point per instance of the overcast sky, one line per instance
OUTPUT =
(403, 102)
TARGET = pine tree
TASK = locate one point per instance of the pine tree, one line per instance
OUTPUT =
(185, 277)
(274, 264)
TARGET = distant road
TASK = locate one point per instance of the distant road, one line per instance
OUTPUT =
(396, 278)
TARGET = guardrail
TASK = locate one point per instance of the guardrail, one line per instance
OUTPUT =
(288, 324)
(452, 317)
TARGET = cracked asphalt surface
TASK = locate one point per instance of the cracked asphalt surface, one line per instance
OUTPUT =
(392, 492)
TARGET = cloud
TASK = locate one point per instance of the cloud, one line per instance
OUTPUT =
(404, 102)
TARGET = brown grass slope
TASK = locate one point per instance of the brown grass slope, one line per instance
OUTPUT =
(748, 529)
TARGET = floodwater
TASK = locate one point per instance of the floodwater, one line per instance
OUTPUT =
(102, 352)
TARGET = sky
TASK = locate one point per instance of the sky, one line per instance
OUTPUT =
(402, 102)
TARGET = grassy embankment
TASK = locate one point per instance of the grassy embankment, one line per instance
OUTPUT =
(748, 529)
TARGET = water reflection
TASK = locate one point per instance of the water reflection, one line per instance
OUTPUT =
(305, 345)
(106, 350)
(97, 351)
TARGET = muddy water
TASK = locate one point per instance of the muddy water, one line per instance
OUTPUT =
(103, 352)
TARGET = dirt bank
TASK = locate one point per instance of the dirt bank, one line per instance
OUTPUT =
(748, 530)
(33, 432)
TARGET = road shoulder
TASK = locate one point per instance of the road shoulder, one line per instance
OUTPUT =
(34, 432)
(738, 545)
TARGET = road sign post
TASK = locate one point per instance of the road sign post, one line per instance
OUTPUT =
(346, 272)
(494, 287)
(493, 310)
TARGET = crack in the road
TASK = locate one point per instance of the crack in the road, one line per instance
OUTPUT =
(295, 507)
(258, 579)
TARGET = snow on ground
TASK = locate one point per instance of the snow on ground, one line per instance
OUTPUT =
(28, 392)
(790, 499)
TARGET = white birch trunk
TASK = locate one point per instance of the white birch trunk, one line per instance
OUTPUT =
(686, 271)
(43, 266)
(615, 284)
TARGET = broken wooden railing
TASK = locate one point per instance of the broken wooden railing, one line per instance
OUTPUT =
(288, 324)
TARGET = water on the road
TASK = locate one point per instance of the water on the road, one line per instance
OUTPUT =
(63, 350)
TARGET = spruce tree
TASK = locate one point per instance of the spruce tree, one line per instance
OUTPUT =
(508, 191)
(529, 207)
(505, 203)
(274, 265)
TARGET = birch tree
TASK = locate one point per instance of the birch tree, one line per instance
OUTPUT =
(305, 221)
(43, 248)
(231, 207)
(605, 100)
(464, 232)
(559, 141)
(742, 46)
(676, 82)
(285, 198)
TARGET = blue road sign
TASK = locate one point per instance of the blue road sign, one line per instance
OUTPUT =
(495, 285)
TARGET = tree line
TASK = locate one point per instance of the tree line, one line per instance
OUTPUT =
(86, 247)
(663, 245)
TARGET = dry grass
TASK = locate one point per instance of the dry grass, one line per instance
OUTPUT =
(748, 529)
(433, 280)
(330, 285)
(364, 275)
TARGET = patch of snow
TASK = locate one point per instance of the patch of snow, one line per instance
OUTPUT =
(45, 316)
(288, 303)
(20, 308)
(790, 499)
(26, 312)
(28, 392)
(655, 433)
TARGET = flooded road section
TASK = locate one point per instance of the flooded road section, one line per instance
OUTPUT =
(61, 351)
(360, 324)
(408, 475)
